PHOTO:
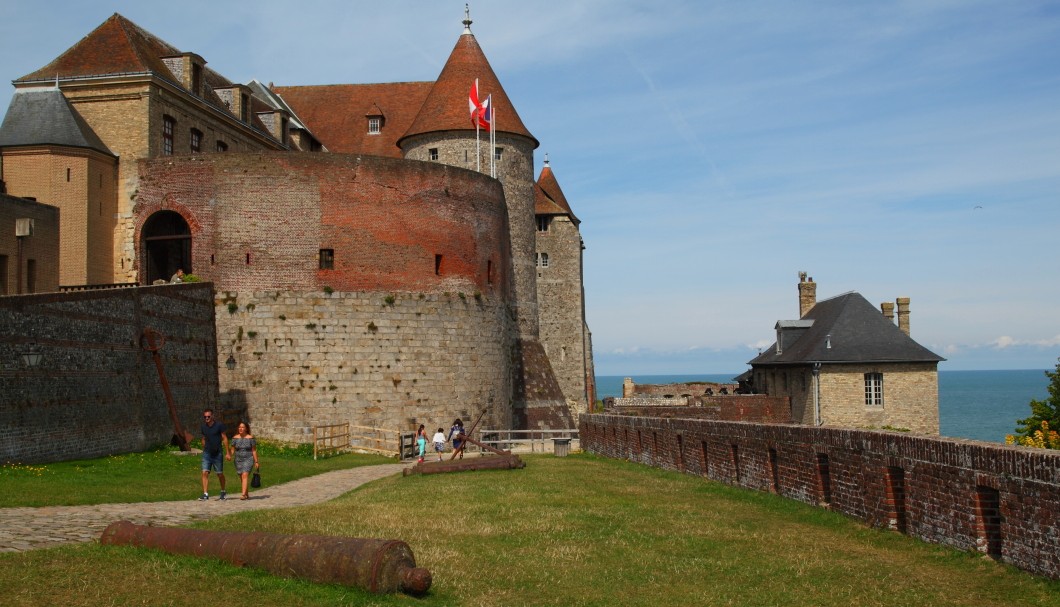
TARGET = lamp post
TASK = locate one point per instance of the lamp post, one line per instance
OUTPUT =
(231, 363)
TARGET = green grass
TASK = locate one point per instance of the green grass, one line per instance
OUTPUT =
(579, 530)
(158, 475)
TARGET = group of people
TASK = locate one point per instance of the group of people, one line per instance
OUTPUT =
(242, 450)
(456, 435)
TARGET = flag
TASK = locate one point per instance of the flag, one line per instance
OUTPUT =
(485, 114)
(474, 106)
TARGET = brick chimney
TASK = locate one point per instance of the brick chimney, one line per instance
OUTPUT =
(807, 294)
(888, 311)
(903, 314)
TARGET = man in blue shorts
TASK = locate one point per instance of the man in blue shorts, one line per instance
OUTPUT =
(213, 458)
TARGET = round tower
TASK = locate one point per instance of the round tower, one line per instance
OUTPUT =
(445, 131)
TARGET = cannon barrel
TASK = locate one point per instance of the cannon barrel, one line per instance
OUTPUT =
(372, 564)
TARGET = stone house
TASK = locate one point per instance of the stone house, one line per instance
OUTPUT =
(306, 207)
(845, 363)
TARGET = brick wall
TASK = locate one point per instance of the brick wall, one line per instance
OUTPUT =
(741, 407)
(42, 247)
(1000, 500)
(96, 391)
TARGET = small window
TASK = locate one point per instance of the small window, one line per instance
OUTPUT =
(244, 107)
(543, 221)
(196, 79)
(196, 141)
(222, 146)
(497, 153)
(874, 389)
(542, 260)
(438, 265)
(374, 124)
(3, 274)
(327, 259)
(31, 276)
(169, 125)
(432, 153)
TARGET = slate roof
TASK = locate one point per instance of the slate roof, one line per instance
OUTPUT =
(446, 108)
(857, 333)
(548, 196)
(337, 114)
(45, 117)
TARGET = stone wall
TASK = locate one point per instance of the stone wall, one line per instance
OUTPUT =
(1002, 501)
(379, 359)
(96, 391)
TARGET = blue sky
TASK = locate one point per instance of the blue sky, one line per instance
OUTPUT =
(714, 150)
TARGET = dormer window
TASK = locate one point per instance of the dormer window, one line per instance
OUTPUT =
(375, 125)
(196, 79)
(244, 108)
(543, 221)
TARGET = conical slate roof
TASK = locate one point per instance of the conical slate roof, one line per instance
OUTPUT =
(548, 196)
(847, 329)
(46, 118)
(446, 109)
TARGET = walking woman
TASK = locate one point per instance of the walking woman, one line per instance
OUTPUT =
(245, 453)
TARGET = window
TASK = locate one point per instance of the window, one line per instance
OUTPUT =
(196, 141)
(3, 274)
(374, 123)
(432, 154)
(222, 146)
(327, 259)
(874, 389)
(169, 124)
(497, 153)
(542, 260)
(543, 222)
(31, 276)
(438, 265)
(244, 107)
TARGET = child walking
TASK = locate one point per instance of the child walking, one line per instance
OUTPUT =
(439, 443)
(421, 441)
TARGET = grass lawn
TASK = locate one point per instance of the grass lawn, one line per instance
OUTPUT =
(153, 476)
(579, 530)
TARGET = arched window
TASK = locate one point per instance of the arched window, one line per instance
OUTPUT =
(165, 246)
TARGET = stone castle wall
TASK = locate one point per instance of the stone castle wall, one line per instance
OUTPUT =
(742, 407)
(1002, 501)
(96, 391)
(385, 360)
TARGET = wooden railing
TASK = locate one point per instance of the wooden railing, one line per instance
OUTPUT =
(330, 439)
(348, 437)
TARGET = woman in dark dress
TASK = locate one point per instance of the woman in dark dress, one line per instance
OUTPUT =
(245, 453)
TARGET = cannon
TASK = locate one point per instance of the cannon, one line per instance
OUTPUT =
(371, 564)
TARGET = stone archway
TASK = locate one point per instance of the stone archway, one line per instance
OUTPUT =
(165, 246)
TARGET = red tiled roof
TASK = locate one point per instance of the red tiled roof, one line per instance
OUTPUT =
(549, 198)
(118, 46)
(337, 114)
(445, 108)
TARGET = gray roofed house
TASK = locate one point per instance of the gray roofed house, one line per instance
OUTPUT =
(846, 363)
(45, 117)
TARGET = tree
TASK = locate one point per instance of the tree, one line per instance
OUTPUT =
(1040, 429)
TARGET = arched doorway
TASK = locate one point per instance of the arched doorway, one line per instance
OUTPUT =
(166, 246)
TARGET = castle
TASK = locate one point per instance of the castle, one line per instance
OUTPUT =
(365, 270)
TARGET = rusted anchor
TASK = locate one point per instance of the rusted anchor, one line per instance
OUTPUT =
(152, 341)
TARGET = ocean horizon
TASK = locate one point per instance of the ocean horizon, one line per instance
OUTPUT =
(978, 405)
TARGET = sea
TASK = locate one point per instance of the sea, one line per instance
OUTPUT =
(980, 405)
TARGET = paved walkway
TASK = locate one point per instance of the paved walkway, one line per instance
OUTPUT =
(32, 528)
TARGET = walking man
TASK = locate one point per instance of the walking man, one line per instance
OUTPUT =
(213, 458)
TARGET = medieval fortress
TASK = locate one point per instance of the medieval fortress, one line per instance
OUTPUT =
(364, 270)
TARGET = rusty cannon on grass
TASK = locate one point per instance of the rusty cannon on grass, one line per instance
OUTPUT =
(374, 565)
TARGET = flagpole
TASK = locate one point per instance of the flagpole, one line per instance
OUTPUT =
(493, 139)
(478, 149)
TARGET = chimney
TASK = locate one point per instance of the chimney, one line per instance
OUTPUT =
(888, 311)
(807, 294)
(903, 314)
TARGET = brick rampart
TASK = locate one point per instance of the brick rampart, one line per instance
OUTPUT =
(96, 391)
(743, 408)
(1000, 500)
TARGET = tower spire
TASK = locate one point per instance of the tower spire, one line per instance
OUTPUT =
(467, 19)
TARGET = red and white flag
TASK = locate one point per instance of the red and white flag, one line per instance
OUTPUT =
(473, 104)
